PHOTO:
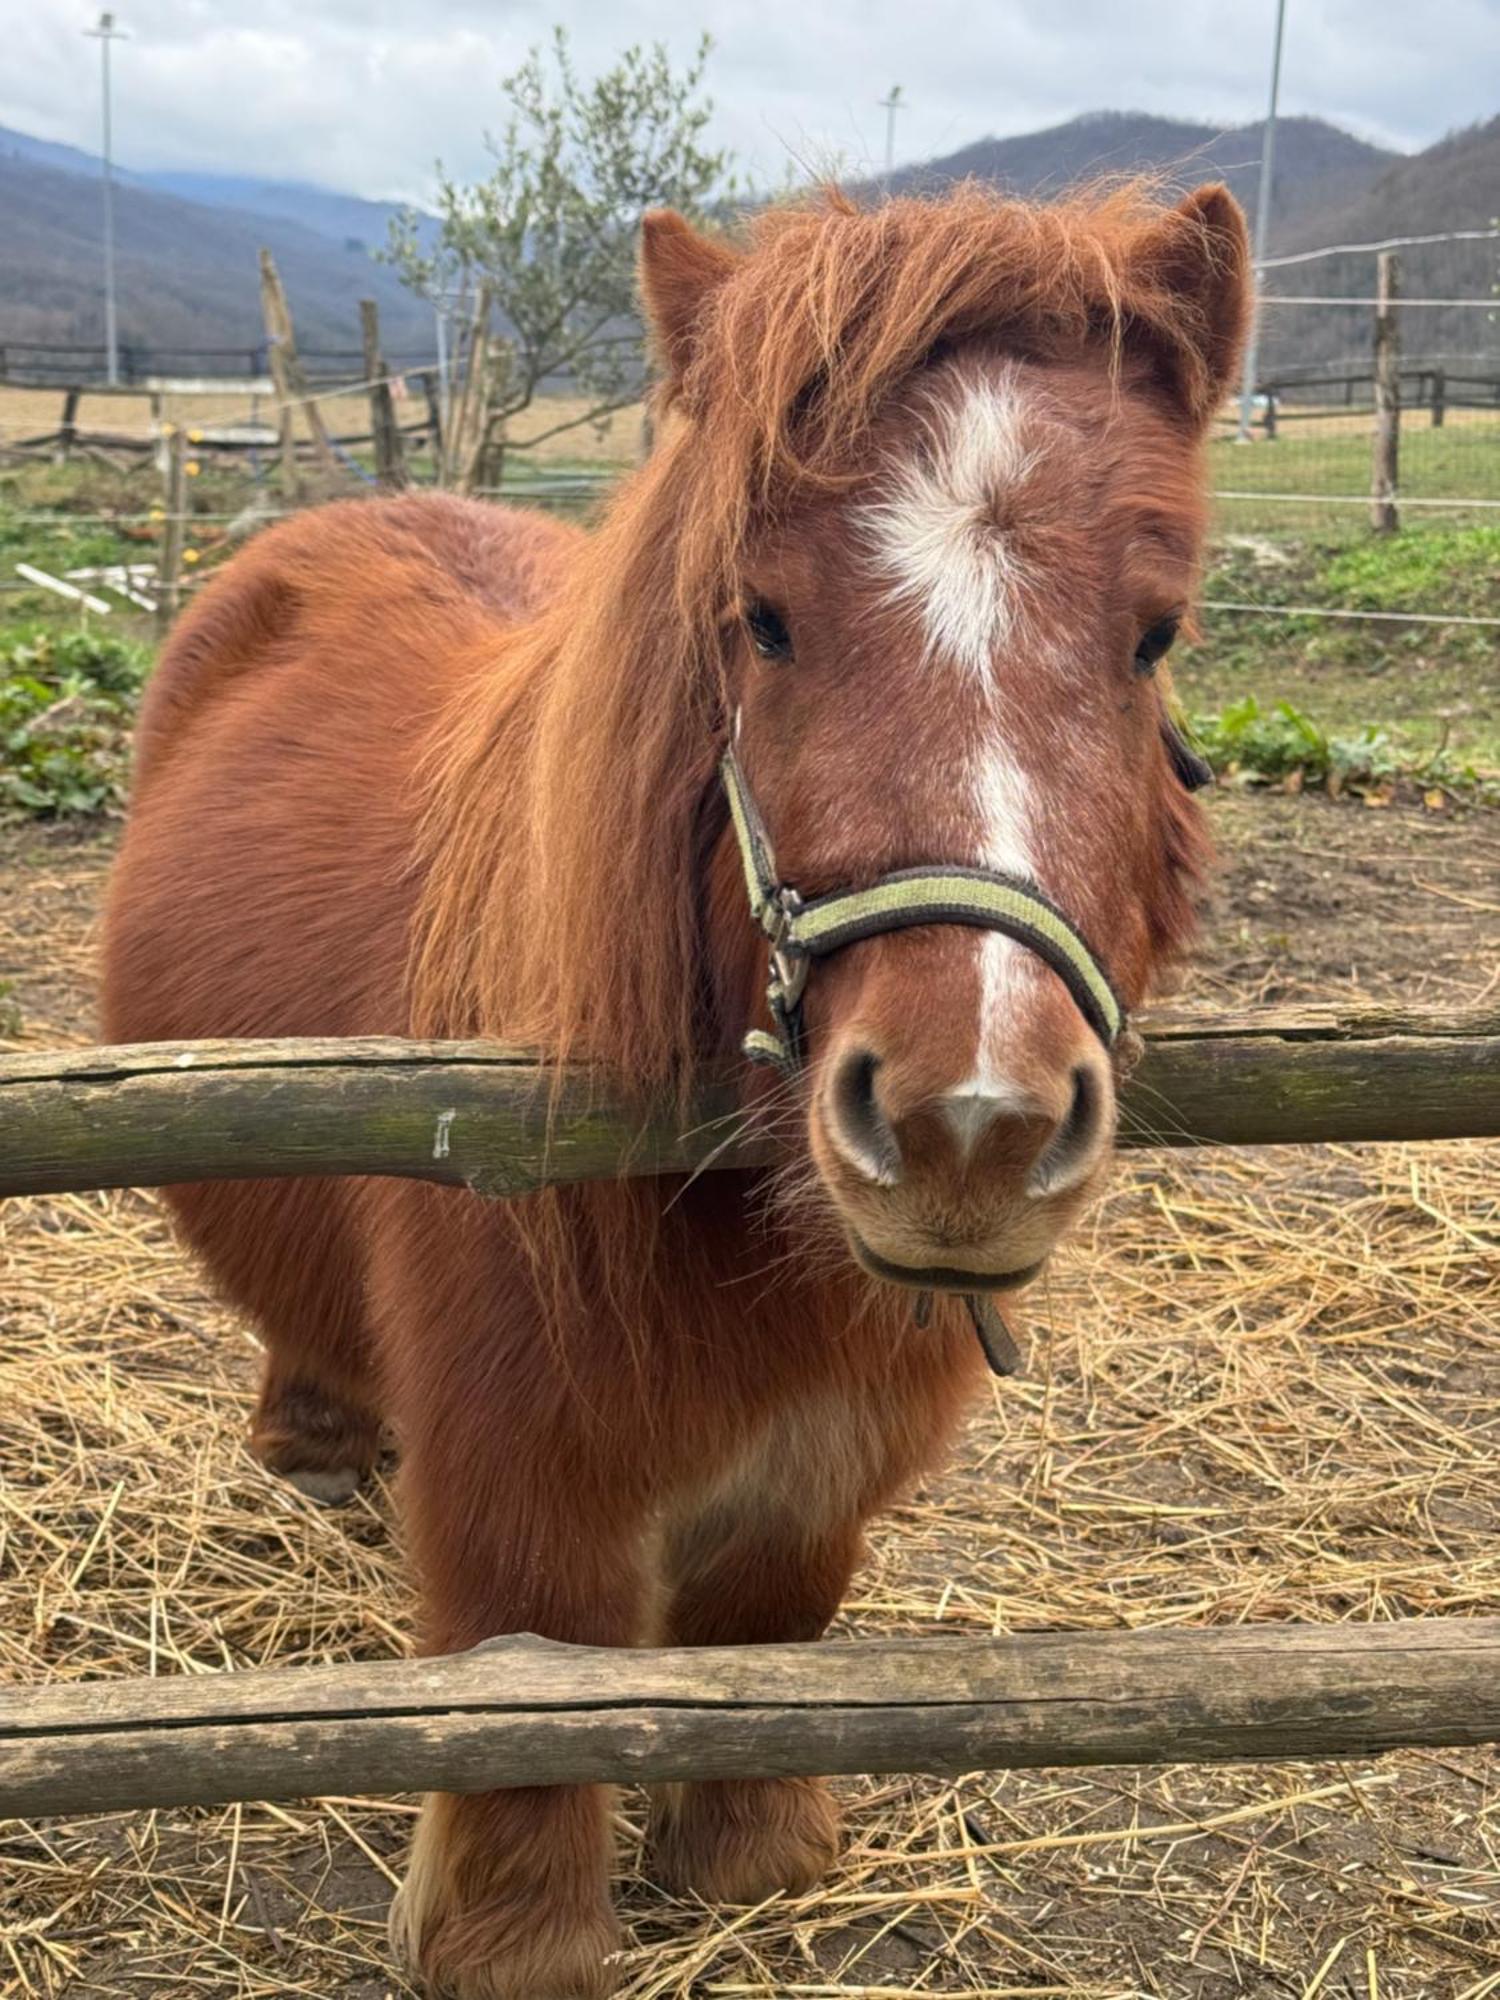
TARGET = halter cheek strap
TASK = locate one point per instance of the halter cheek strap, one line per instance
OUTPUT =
(801, 932)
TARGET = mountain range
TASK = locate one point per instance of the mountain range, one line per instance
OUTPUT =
(187, 243)
(187, 258)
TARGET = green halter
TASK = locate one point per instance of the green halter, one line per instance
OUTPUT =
(800, 932)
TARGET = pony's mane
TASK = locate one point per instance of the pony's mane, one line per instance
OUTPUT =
(567, 831)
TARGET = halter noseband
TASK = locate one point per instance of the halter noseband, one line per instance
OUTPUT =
(800, 932)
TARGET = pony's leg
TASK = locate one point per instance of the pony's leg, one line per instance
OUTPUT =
(507, 1893)
(747, 1571)
(285, 1253)
(520, 1518)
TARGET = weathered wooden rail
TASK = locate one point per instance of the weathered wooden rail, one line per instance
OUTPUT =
(521, 1711)
(479, 1115)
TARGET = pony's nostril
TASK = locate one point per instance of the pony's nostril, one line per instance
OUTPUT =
(856, 1124)
(1072, 1147)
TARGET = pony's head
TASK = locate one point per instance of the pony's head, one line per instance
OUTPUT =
(968, 440)
(923, 518)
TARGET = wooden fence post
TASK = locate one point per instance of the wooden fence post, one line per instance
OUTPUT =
(1439, 397)
(468, 428)
(67, 436)
(390, 467)
(174, 527)
(292, 386)
(429, 381)
(286, 420)
(1384, 518)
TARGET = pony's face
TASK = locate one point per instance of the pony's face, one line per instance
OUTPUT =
(953, 660)
(946, 654)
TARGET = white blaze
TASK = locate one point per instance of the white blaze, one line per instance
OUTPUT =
(937, 537)
(934, 532)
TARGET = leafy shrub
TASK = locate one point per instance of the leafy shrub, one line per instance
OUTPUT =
(1244, 739)
(1284, 745)
(67, 700)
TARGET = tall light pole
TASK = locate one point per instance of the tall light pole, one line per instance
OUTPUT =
(104, 34)
(1262, 223)
(890, 106)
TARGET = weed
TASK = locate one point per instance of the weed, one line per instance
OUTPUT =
(67, 700)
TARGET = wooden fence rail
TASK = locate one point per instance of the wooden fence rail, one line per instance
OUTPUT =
(478, 1115)
(523, 1711)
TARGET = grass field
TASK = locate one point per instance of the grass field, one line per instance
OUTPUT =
(1330, 456)
(37, 412)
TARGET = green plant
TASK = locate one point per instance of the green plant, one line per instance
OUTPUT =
(1245, 739)
(1284, 745)
(66, 704)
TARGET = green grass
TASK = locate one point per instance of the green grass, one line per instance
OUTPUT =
(67, 701)
(1459, 461)
(1434, 688)
(1283, 745)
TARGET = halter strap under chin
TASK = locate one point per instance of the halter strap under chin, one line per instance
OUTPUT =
(800, 932)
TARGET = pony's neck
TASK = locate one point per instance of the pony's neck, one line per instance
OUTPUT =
(571, 900)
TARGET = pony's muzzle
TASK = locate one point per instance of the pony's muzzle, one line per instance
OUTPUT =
(969, 1171)
(1018, 1124)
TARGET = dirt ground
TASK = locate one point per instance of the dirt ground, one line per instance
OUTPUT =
(1261, 1385)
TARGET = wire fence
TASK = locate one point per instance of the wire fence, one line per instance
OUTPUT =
(1307, 464)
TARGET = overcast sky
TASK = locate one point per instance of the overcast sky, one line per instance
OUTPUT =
(363, 95)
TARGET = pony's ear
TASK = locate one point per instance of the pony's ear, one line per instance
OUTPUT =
(680, 271)
(1200, 253)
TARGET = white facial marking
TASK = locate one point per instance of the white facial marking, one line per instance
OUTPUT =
(937, 538)
(1004, 814)
(934, 532)
(974, 1106)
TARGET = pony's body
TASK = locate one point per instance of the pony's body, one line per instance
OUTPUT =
(426, 767)
(705, 1488)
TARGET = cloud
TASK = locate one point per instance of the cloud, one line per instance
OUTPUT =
(364, 95)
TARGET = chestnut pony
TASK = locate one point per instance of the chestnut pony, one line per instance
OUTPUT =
(925, 509)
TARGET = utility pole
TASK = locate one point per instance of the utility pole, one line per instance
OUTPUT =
(104, 34)
(1262, 223)
(890, 106)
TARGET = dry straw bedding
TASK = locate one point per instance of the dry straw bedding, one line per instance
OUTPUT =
(1263, 1386)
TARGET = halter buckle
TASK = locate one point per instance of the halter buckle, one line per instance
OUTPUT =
(789, 960)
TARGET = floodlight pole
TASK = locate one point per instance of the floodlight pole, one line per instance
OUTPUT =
(890, 106)
(104, 34)
(1262, 224)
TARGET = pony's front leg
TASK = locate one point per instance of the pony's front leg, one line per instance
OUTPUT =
(507, 1893)
(744, 1571)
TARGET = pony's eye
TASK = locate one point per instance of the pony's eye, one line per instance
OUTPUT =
(1155, 643)
(768, 630)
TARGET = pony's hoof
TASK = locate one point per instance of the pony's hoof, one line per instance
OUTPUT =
(530, 1945)
(316, 1441)
(505, 1953)
(744, 1839)
(328, 1489)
